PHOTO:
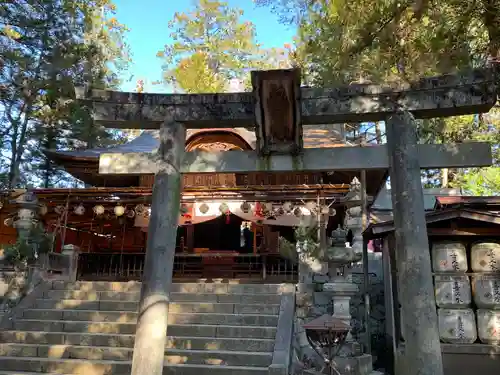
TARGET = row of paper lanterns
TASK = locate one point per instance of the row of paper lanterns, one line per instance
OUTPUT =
(259, 209)
(265, 209)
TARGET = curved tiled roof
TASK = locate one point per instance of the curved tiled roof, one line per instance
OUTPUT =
(314, 136)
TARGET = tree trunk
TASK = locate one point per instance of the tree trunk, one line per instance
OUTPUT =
(491, 18)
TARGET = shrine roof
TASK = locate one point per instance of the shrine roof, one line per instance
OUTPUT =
(491, 203)
(314, 136)
(378, 230)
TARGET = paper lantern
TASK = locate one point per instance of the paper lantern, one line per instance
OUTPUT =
(140, 210)
(245, 207)
(297, 212)
(311, 205)
(204, 208)
(99, 209)
(224, 209)
(79, 210)
(287, 206)
(267, 209)
(119, 210)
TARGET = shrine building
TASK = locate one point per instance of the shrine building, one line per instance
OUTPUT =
(229, 224)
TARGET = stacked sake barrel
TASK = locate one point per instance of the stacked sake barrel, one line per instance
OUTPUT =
(485, 264)
(456, 317)
(465, 316)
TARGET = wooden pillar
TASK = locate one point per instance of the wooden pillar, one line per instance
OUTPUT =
(422, 349)
(150, 338)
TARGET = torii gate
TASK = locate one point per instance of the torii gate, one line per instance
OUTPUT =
(277, 108)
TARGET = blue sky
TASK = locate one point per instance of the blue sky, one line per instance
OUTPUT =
(148, 23)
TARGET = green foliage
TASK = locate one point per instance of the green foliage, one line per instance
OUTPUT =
(29, 245)
(344, 42)
(211, 46)
(48, 47)
(306, 237)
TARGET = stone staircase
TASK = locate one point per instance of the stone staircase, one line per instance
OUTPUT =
(88, 328)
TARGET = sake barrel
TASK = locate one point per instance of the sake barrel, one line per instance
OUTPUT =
(485, 257)
(457, 326)
(449, 257)
(488, 326)
(452, 291)
(486, 291)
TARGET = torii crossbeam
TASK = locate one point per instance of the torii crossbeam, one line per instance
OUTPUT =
(277, 108)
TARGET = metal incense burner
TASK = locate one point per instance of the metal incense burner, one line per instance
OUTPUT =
(327, 335)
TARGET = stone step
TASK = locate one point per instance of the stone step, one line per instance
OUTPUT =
(131, 317)
(204, 288)
(129, 327)
(221, 342)
(54, 297)
(195, 307)
(205, 330)
(172, 356)
(12, 365)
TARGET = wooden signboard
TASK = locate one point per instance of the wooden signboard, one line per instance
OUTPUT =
(234, 180)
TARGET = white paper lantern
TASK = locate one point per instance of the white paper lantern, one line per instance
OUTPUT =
(119, 210)
(311, 205)
(246, 207)
(99, 209)
(79, 210)
(287, 206)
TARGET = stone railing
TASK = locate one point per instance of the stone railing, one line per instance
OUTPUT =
(63, 266)
(281, 362)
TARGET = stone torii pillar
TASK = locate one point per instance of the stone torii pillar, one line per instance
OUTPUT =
(423, 351)
(277, 108)
(150, 337)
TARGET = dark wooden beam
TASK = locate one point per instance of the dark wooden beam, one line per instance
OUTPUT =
(494, 232)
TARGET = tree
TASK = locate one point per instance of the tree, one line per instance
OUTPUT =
(344, 42)
(47, 48)
(211, 47)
